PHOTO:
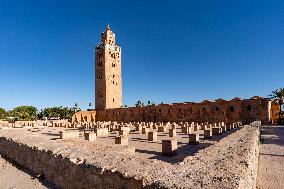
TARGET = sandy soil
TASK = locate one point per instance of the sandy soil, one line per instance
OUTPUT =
(271, 160)
(12, 177)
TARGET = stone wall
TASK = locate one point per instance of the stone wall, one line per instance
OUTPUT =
(235, 110)
(64, 172)
(275, 113)
(229, 163)
(3, 123)
(84, 116)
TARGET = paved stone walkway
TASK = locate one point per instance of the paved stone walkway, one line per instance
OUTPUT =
(271, 159)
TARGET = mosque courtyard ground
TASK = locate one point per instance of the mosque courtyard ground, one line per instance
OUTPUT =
(229, 160)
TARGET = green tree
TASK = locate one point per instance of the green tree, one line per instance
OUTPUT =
(58, 113)
(3, 113)
(278, 96)
(26, 113)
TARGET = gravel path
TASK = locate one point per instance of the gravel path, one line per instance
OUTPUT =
(11, 177)
(271, 159)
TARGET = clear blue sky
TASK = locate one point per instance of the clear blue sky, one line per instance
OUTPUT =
(173, 51)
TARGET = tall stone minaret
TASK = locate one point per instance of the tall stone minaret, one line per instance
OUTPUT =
(108, 72)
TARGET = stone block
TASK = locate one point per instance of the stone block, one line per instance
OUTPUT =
(187, 130)
(169, 147)
(162, 129)
(172, 133)
(229, 127)
(90, 136)
(101, 131)
(173, 126)
(208, 133)
(68, 135)
(224, 128)
(196, 128)
(216, 131)
(123, 132)
(193, 138)
(139, 128)
(152, 136)
(122, 139)
(145, 130)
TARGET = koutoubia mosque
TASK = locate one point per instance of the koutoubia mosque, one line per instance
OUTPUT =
(108, 102)
(108, 72)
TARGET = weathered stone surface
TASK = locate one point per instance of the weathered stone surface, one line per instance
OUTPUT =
(208, 133)
(162, 129)
(69, 135)
(101, 131)
(145, 130)
(193, 138)
(169, 147)
(216, 131)
(90, 136)
(123, 132)
(229, 163)
(152, 136)
(172, 133)
(122, 139)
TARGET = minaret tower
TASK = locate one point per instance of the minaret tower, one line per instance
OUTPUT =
(108, 72)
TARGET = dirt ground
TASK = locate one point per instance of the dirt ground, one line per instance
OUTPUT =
(271, 159)
(12, 177)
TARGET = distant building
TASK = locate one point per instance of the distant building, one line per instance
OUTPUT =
(109, 99)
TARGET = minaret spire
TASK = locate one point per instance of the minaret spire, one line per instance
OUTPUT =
(108, 27)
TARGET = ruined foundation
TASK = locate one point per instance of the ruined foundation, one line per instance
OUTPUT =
(77, 163)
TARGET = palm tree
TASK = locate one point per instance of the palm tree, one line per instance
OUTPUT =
(278, 96)
(138, 104)
(76, 107)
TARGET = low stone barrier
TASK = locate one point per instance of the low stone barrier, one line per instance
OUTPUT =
(65, 172)
(229, 163)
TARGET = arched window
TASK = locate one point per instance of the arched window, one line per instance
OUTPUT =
(232, 109)
(217, 109)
